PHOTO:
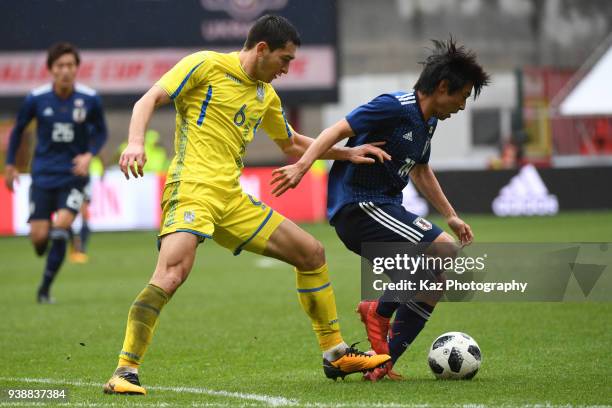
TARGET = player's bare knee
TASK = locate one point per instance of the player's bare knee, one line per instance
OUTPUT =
(170, 277)
(168, 283)
(172, 284)
(38, 239)
(40, 246)
(312, 258)
(177, 275)
(39, 235)
(444, 246)
(319, 254)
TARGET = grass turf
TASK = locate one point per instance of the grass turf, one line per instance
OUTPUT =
(236, 335)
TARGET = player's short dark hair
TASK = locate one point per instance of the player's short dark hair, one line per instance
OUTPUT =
(59, 49)
(274, 30)
(455, 64)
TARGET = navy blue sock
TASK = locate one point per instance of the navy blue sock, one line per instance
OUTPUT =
(386, 309)
(55, 257)
(391, 300)
(84, 234)
(409, 321)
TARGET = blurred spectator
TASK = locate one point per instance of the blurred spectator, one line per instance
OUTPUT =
(157, 157)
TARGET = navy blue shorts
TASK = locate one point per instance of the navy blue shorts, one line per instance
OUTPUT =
(358, 223)
(45, 201)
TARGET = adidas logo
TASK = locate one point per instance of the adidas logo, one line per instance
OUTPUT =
(408, 136)
(413, 202)
(48, 111)
(525, 194)
(406, 99)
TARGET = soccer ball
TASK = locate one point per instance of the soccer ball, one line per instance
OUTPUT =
(454, 355)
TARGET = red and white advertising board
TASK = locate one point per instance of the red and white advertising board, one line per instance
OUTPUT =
(134, 71)
(121, 205)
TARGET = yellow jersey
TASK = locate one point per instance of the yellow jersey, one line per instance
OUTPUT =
(218, 110)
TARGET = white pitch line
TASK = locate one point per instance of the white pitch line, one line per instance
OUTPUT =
(261, 398)
(266, 399)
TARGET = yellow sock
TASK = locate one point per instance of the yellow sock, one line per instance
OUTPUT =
(318, 301)
(141, 323)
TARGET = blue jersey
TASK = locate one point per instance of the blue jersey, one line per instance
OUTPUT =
(397, 119)
(64, 129)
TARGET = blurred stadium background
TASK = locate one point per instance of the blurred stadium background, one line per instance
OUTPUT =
(537, 141)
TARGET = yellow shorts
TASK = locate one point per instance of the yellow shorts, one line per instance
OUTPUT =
(236, 221)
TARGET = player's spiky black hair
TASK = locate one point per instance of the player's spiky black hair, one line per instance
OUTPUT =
(275, 31)
(59, 49)
(453, 63)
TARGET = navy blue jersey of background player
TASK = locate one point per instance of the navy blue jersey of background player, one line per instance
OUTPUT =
(395, 118)
(65, 128)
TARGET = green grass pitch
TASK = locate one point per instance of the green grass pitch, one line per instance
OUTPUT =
(234, 334)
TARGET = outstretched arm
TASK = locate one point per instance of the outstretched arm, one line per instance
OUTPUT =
(426, 182)
(322, 147)
(134, 153)
(298, 144)
(25, 115)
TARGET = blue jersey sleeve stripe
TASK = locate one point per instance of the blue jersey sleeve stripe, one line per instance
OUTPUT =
(254, 201)
(205, 105)
(289, 134)
(178, 90)
(256, 126)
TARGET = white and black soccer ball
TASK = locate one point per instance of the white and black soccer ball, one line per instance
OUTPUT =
(454, 355)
